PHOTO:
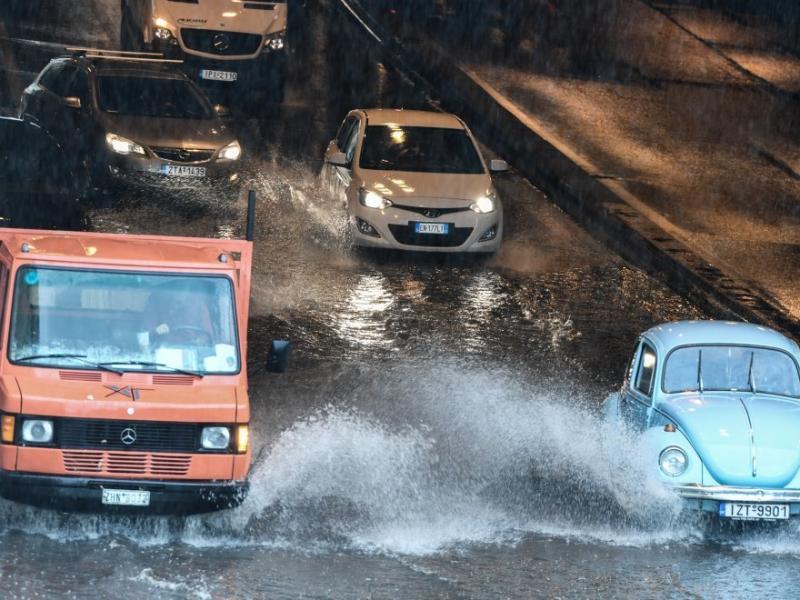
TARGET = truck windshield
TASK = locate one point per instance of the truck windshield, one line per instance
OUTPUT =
(731, 369)
(420, 149)
(151, 97)
(124, 320)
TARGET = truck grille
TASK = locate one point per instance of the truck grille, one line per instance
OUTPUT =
(183, 155)
(223, 43)
(405, 234)
(126, 463)
(108, 435)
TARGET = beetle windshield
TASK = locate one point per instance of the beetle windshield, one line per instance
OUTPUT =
(123, 320)
(420, 149)
(151, 97)
(731, 368)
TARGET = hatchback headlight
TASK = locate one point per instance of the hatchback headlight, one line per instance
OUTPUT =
(372, 200)
(673, 461)
(37, 431)
(484, 204)
(231, 152)
(215, 438)
(122, 145)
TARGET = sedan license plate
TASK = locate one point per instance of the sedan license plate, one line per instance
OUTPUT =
(126, 497)
(182, 171)
(213, 75)
(435, 228)
(753, 511)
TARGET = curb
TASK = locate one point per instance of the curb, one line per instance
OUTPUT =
(607, 211)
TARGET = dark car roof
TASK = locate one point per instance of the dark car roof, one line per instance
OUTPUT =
(121, 66)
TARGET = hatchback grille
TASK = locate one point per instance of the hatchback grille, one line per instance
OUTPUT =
(223, 43)
(126, 463)
(405, 234)
(431, 212)
(107, 435)
(183, 155)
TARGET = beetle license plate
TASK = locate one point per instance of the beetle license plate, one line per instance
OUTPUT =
(126, 497)
(182, 171)
(435, 228)
(213, 75)
(750, 511)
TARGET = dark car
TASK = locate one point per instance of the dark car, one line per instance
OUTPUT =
(37, 186)
(133, 121)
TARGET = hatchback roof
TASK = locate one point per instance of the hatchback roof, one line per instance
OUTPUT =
(683, 333)
(412, 118)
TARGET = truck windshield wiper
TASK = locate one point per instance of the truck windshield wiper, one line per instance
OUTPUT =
(144, 363)
(79, 357)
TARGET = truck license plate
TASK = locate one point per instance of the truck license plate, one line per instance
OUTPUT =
(753, 511)
(181, 171)
(126, 497)
(213, 75)
(436, 228)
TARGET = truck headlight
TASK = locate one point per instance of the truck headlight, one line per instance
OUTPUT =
(122, 145)
(372, 200)
(275, 41)
(231, 152)
(215, 438)
(483, 205)
(673, 461)
(37, 431)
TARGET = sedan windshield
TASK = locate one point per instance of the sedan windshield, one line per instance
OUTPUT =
(731, 368)
(81, 319)
(151, 97)
(420, 149)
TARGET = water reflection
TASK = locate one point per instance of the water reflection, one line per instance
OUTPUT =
(362, 320)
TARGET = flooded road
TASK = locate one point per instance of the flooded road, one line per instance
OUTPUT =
(437, 435)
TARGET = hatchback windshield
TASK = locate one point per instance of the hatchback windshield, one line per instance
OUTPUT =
(126, 321)
(151, 97)
(731, 368)
(421, 149)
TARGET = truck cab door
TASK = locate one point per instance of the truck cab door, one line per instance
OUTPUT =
(637, 398)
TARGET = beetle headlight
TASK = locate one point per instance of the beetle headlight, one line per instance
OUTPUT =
(484, 204)
(373, 200)
(37, 431)
(673, 461)
(231, 152)
(122, 145)
(215, 438)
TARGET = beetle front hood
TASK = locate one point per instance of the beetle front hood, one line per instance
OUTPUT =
(743, 439)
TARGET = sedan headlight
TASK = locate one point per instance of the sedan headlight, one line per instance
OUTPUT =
(673, 461)
(231, 152)
(275, 41)
(484, 204)
(215, 438)
(37, 431)
(372, 200)
(122, 145)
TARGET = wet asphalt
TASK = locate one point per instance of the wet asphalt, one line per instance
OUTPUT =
(437, 435)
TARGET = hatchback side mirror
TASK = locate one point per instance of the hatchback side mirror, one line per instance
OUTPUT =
(278, 361)
(339, 159)
(498, 166)
(72, 102)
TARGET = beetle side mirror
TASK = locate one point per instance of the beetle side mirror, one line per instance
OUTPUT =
(278, 361)
(498, 166)
(72, 102)
(339, 159)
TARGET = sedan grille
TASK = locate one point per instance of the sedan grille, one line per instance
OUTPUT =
(405, 234)
(183, 155)
(108, 435)
(223, 43)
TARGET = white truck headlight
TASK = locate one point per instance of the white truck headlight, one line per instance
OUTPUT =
(215, 438)
(122, 145)
(231, 152)
(673, 461)
(275, 41)
(373, 200)
(483, 205)
(37, 431)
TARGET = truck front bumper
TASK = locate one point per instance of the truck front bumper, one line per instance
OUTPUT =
(84, 494)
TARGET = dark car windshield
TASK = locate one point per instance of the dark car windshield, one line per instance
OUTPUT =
(151, 97)
(731, 368)
(421, 149)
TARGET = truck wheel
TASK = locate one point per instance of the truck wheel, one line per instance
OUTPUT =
(130, 36)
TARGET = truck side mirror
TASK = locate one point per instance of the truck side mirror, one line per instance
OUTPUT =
(339, 159)
(72, 102)
(278, 361)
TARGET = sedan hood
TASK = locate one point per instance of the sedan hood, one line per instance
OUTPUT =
(418, 189)
(742, 439)
(170, 133)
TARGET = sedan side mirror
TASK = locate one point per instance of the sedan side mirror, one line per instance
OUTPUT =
(339, 159)
(223, 112)
(498, 166)
(278, 361)
(73, 102)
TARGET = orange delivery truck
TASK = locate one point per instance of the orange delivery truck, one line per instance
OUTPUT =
(123, 382)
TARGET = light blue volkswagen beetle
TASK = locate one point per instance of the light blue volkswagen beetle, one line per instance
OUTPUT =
(719, 406)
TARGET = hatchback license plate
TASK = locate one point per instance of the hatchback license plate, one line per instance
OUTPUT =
(435, 228)
(213, 75)
(126, 497)
(753, 511)
(181, 171)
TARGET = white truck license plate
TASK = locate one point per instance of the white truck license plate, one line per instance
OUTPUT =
(436, 228)
(753, 511)
(181, 171)
(126, 497)
(213, 75)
